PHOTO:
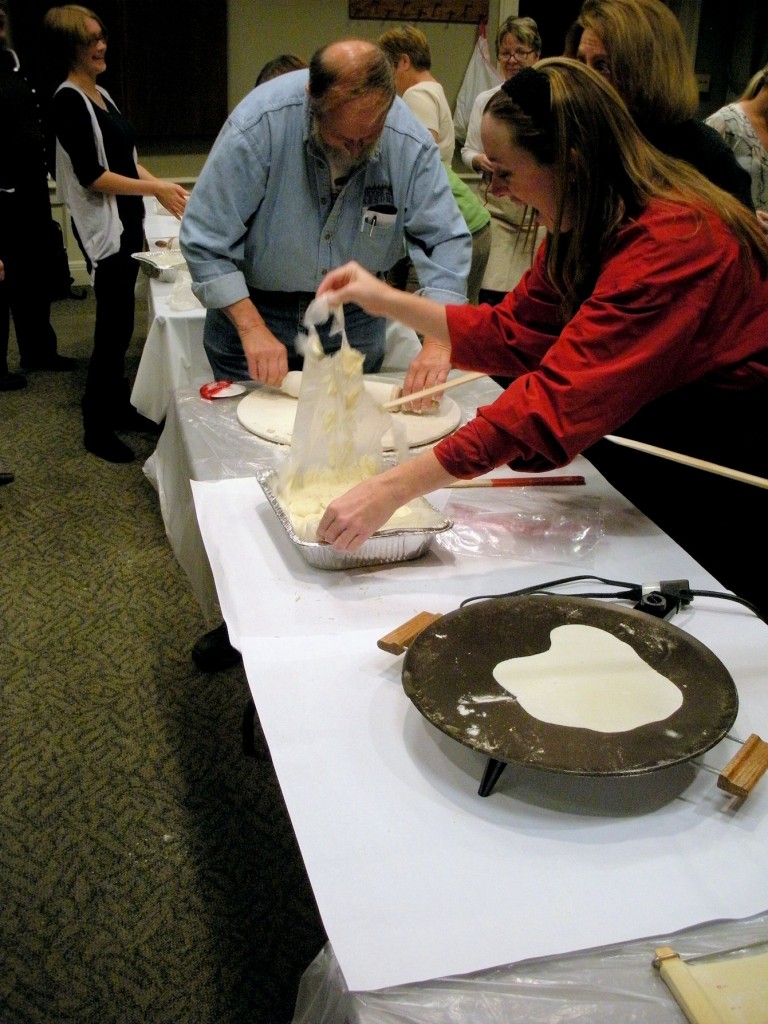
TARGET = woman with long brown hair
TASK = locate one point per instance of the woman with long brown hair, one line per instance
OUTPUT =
(743, 126)
(646, 312)
(638, 46)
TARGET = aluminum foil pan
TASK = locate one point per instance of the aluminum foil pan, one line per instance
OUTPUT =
(164, 265)
(383, 548)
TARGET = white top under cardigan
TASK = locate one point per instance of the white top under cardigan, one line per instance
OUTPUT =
(94, 213)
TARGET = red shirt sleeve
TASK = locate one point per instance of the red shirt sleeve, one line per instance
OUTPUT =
(671, 305)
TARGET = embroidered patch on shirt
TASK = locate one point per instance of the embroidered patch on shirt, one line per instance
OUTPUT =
(378, 195)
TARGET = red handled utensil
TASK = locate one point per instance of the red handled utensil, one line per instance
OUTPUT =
(221, 389)
(521, 481)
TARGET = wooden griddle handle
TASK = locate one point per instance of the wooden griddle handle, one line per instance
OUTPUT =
(746, 768)
(399, 639)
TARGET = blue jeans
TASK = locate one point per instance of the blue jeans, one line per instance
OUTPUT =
(283, 313)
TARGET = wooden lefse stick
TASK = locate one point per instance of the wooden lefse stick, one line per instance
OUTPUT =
(436, 389)
(521, 481)
(689, 460)
(684, 986)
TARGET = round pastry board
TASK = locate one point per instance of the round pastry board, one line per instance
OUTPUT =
(271, 415)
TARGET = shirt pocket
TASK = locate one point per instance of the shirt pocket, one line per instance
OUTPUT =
(380, 241)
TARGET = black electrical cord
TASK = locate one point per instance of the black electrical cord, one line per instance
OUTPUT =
(730, 597)
(631, 592)
(634, 591)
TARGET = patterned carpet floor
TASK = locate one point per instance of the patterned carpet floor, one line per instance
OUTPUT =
(149, 870)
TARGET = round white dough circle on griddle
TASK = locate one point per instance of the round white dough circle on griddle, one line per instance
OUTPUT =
(589, 679)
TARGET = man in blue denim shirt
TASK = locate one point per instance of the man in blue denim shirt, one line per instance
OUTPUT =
(311, 170)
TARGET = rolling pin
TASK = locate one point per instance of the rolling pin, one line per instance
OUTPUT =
(436, 389)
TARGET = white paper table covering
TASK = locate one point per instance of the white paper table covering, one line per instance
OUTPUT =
(416, 876)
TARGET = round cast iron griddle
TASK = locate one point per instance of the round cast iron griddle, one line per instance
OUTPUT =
(453, 660)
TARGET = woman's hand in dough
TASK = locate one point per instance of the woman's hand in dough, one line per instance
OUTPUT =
(351, 519)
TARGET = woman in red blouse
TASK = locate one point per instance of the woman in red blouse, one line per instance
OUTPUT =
(645, 313)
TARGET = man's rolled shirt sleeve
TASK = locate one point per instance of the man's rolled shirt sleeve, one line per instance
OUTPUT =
(221, 208)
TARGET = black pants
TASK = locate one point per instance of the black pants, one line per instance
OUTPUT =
(25, 222)
(114, 286)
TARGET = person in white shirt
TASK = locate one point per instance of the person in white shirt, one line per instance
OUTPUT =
(744, 126)
(408, 51)
(518, 46)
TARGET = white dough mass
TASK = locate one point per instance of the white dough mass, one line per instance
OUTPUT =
(337, 443)
(589, 679)
(306, 504)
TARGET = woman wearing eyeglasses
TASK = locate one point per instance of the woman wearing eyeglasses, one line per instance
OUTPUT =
(518, 46)
(645, 313)
(103, 187)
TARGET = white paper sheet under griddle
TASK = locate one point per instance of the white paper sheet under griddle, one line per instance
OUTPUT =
(415, 875)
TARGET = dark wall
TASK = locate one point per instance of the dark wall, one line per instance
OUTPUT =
(731, 48)
(553, 19)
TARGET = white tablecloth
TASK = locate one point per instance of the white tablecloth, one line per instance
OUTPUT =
(173, 355)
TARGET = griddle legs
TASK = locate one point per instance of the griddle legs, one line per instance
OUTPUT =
(491, 776)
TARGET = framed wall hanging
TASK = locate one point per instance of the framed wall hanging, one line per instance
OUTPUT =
(460, 11)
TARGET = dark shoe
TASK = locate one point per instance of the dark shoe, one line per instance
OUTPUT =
(52, 364)
(130, 419)
(213, 652)
(5, 477)
(108, 446)
(12, 382)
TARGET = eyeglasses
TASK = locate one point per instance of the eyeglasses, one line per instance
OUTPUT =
(516, 55)
(94, 40)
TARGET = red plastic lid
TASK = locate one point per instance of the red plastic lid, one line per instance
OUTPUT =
(214, 387)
